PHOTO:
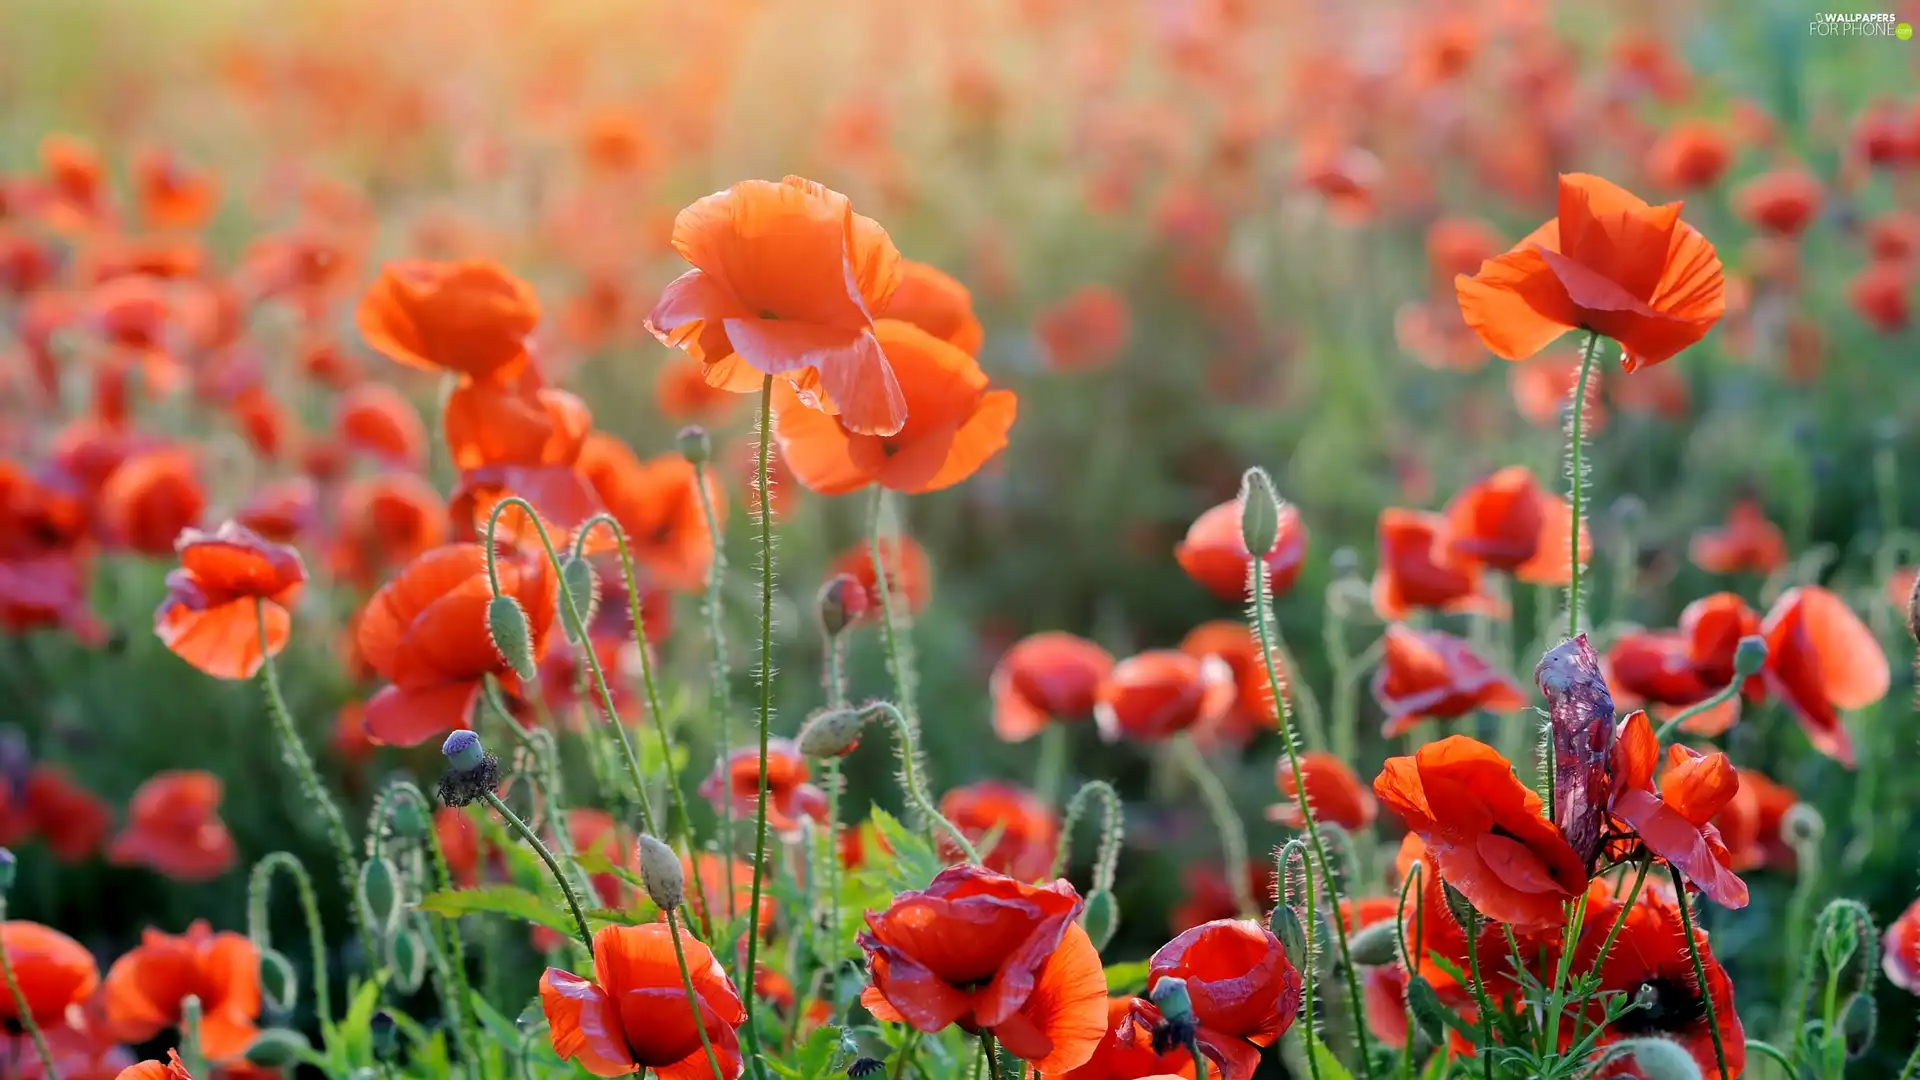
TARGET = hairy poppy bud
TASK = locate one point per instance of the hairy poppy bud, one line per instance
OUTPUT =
(831, 733)
(1284, 921)
(1802, 826)
(507, 625)
(1913, 609)
(1375, 946)
(472, 772)
(408, 956)
(694, 444)
(1859, 1022)
(1101, 917)
(7, 863)
(277, 1047)
(279, 984)
(842, 600)
(1461, 908)
(660, 872)
(379, 894)
(408, 821)
(582, 587)
(1750, 655)
(1657, 1059)
(1430, 1015)
(1259, 513)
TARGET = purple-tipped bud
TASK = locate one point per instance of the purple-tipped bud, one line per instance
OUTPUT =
(1750, 656)
(694, 444)
(1581, 711)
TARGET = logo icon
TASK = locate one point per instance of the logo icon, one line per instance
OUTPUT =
(1903, 31)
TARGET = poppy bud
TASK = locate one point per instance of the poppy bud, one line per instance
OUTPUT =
(379, 895)
(694, 444)
(831, 733)
(1259, 513)
(1657, 1059)
(408, 821)
(582, 587)
(507, 625)
(1750, 656)
(842, 600)
(1284, 921)
(660, 872)
(1375, 946)
(277, 1047)
(7, 863)
(1802, 826)
(279, 984)
(1430, 1015)
(385, 1034)
(1101, 916)
(1462, 908)
(1859, 1021)
(407, 955)
(472, 773)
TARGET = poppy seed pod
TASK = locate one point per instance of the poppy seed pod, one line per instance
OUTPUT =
(831, 733)
(379, 895)
(1657, 1059)
(472, 772)
(1259, 511)
(277, 1047)
(1101, 917)
(694, 444)
(512, 638)
(582, 588)
(660, 872)
(1750, 656)
(1170, 997)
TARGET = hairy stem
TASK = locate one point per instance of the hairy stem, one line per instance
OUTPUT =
(553, 865)
(1577, 480)
(21, 1006)
(766, 709)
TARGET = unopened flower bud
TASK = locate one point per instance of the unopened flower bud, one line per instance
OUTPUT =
(277, 1048)
(660, 872)
(378, 892)
(507, 625)
(407, 955)
(694, 444)
(1750, 656)
(1802, 826)
(472, 773)
(1859, 1023)
(1629, 511)
(1259, 512)
(1430, 1014)
(841, 603)
(1101, 918)
(1377, 945)
(1913, 609)
(831, 733)
(279, 984)
(1459, 906)
(1657, 1059)
(1284, 922)
(408, 821)
(582, 590)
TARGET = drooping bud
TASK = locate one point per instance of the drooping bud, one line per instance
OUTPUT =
(831, 733)
(1375, 946)
(841, 603)
(694, 444)
(582, 589)
(1284, 922)
(1259, 513)
(1101, 918)
(507, 625)
(1430, 1014)
(279, 983)
(1859, 1023)
(1345, 563)
(1657, 1059)
(277, 1048)
(1750, 655)
(1802, 826)
(1459, 906)
(379, 895)
(1581, 712)
(408, 956)
(472, 773)
(660, 872)
(408, 820)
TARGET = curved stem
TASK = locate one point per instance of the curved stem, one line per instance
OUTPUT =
(1309, 969)
(720, 679)
(910, 778)
(693, 1001)
(21, 1006)
(260, 890)
(766, 709)
(1051, 772)
(1699, 970)
(1577, 480)
(1726, 694)
(1106, 861)
(454, 970)
(553, 866)
(298, 759)
(1233, 837)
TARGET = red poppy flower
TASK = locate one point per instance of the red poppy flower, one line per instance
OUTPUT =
(933, 301)
(1543, 392)
(384, 521)
(1433, 675)
(1820, 659)
(786, 281)
(681, 392)
(1088, 329)
(281, 511)
(1458, 246)
(635, 1014)
(992, 954)
(150, 498)
(1207, 895)
(657, 504)
(1783, 201)
(789, 797)
(1157, 694)
(1244, 991)
(228, 582)
(1215, 554)
(1415, 570)
(71, 821)
(1750, 823)
(1656, 666)
(1608, 262)
(377, 420)
(174, 828)
(53, 971)
(953, 425)
(1900, 950)
(909, 577)
(1675, 823)
(1497, 522)
(1251, 711)
(720, 876)
(1046, 678)
(1027, 831)
(1882, 295)
(1650, 957)
(1333, 791)
(145, 987)
(1748, 543)
(426, 633)
(1126, 1051)
(469, 318)
(1689, 156)
(171, 1069)
(1483, 830)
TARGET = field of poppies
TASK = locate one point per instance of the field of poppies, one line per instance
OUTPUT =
(1339, 541)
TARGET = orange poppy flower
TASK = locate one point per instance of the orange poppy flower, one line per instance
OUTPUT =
(1028, 830)
(635, 1014)
(1552, 562)
(1433, 675)
(1783, 201)
(1900, 950)
(1882, 294)
(1244, 991)
(1543, 391)
(909, 576)
(522, 423)
(1089, 329)
(1820, 659)
(1650, 956)
(681, 392)
(657, 504)
(469, 318)
(383, 521)
(721, 875)
(150, 498)
(426, 634)
(1608, 263)
(1689, 156)
(1415, 570)
(736, 780)
(1215, 554)
(1251, 711)
(991, 954)
(1157, 694)
(1207, 895)
(1334, 792)
(172, 195)
(170, 1069)
(75, 195)
(53, 970)
(1748, 543)
(1126, 1051)
(145, 987)
(1045, 678)
(936, 303)
(1458, 246)
(1675, 823)
(1497, 522)
(1750, 823)
(71, 821)
(1483, 830)
(377, 420)
(174, 828)
(785, 282)
(953, 424)
(228, 601)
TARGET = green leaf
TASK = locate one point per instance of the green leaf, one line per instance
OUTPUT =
(1329, 1067)
(596, 862)
(1127, 979)
(912, 862)
(498, 1026)
(508, 900)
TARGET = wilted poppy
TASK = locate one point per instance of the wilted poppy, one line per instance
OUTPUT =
(226, 606)
(145, 988)
(1497, 522)
(1900, 950)
(635, 1014)
(1783, 201)
(1025, 829)
(953, 423)
(1609, 263)
(426, 632)
(1748, 543)
(1234, 644)
(1333, 792)
(1484, 830)
(1675, 823)
(470, 318)
(53, 972)
(375, 419)
(1087, 329)
(1126, 1052)
(991, 954)
(786, 281)
(1157, 694)
(174, 828)
(149, 498)
(1433, 675)
(909, 577)
(1045, 678)
(1650, 958)
(1214, 553)
(1820, 659)
(1415, 570)
(1243, 990)
(932, 300)
(1688, 156)
(736, 781)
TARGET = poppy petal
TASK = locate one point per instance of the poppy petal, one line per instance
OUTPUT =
(585, 1025)
(1068, 1004)
(1516, 304)
(399, 716)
